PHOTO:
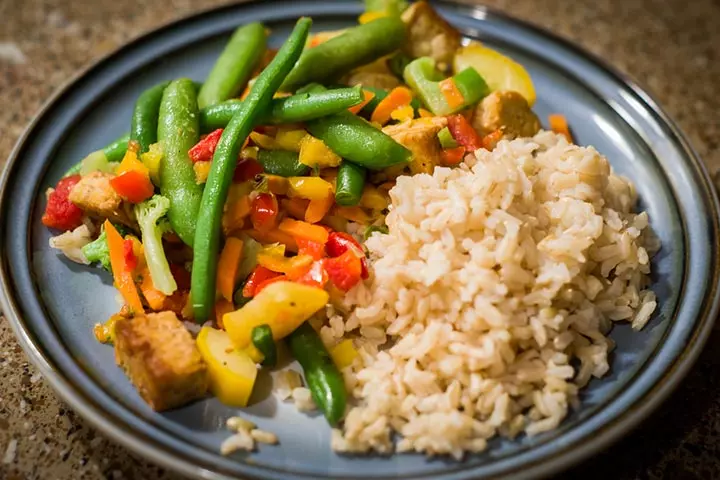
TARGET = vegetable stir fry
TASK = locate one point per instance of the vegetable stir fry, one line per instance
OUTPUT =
(240, 203)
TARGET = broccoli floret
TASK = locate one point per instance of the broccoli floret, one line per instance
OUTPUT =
(98, 251)
(150, 215)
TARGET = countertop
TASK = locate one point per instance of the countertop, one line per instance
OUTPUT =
(671, 47)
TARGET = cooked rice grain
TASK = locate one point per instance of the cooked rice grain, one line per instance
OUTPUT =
(495, 279)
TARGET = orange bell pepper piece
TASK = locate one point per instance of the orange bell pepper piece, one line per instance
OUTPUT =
(317, 209)
(299, 229)
(154, 297)
(274, 236)
(228, 267)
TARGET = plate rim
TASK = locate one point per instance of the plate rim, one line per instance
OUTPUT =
(159, 454)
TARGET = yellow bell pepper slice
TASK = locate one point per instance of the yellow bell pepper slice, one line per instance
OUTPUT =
(343, 353)
(314, 152)
(283, 306)
(312, 188)
(130, 162)
(202, 170)
(500, 72)
(289, 139)
(232, 372)
(151, 159)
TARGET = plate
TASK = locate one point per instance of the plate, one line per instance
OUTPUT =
(52, 304)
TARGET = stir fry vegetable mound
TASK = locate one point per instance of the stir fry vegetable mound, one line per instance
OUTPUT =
(240, 203)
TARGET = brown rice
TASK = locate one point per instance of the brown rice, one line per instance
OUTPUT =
(494, 278)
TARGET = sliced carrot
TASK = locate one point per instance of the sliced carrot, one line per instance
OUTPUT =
(154, 297)
(559, 124)
(368, 96)
(452, 95)
(317, 209)
(397, 97)
(228, 267)
(122, 275)
(274, 236)
(305, 230)
(222, 306)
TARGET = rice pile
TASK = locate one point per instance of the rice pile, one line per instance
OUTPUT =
(491, 298)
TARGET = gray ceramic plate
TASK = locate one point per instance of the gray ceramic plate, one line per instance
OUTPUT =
(52, 304)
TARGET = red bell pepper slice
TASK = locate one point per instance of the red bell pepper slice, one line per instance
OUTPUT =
(260, 287)
(204, 150)
(133, 186)
(463, 132)
(256, 278)
(307, 247)
(344, 271)
(264, 212)
(453, 156)
(340, 242)
(131, 259)
(60, 212)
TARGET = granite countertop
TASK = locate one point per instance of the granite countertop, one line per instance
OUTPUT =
(672, 47)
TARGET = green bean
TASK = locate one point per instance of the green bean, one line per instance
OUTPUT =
(357, 46)
(178, 130)
(296, 108)
(262, 338)
(322, 377)
(349, 184)
(114, 152)
(282, 162)
(235, 65)
(144, 122)
(207, 235)
(354, 139)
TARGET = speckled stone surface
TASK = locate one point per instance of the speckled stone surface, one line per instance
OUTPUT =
(672, 47)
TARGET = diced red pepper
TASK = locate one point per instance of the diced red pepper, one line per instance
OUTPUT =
(133, 186)
(314, 249)
(340, 242)
(260, 287)
(203, 150)
(344, 271)
(264, 212)
(463, 132)
(247, 170)
(60, 212)
(314, 276)
(453, 156)
(131, 259)
(258, 276)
